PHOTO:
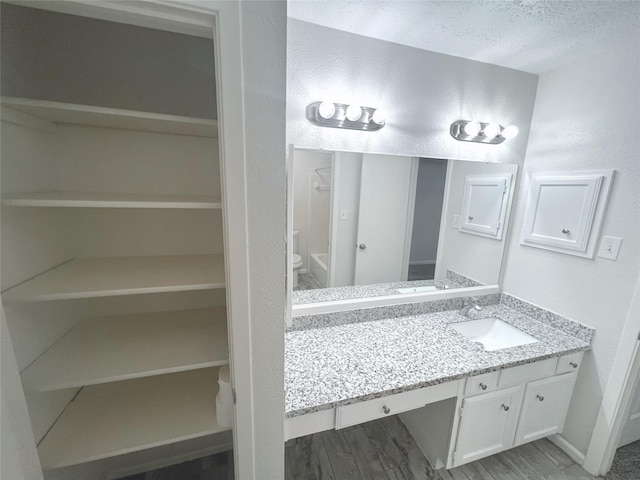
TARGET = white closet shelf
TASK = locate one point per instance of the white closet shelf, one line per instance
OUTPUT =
(122, 417)
(113, 276)
(109, 200)
(59, 112)
(107, 349)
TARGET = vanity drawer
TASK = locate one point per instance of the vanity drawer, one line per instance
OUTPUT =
(348, 415)
(529, 371)
(481, 383)
(569, 363)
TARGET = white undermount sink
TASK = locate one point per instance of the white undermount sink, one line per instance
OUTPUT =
(493, 334)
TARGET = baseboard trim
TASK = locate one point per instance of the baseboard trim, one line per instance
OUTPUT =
(568, 448)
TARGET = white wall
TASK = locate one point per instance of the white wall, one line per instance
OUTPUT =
(585, 118)
(422, 92)
(311, 207)
(473, 256)
(428, 210)
(51, 56)
(18, 456)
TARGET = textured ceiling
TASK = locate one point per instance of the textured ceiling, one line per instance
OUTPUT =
(533, 36)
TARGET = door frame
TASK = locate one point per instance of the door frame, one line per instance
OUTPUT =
(336, 162)
(220, 21)
(616, 401)
(411, 209)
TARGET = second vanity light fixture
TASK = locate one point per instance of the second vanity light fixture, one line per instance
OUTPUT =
(340, 115)
(492, 133)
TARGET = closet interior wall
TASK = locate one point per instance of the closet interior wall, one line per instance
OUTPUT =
(125, 67)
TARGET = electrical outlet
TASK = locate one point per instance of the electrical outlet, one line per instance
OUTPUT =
(609, 247)
(343, 214)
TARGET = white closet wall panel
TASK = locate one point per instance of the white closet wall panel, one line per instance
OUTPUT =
(116, 307)
(129, 161)
(132, 232)
(28, 158)
(46, 407)
(34, 327)
(145, 303)
(31, 241)
(70, 58)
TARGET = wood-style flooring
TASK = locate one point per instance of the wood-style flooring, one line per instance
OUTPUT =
(384, 450)
(213, 467)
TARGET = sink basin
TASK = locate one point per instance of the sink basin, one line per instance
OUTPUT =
(493, 334)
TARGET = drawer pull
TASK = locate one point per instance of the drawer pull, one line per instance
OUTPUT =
(540, 397)
(386, 410)
(573, 364)
(483, 386)
(566, 231)
(505, 407)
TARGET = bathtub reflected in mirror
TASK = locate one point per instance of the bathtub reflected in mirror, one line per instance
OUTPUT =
(370, 225)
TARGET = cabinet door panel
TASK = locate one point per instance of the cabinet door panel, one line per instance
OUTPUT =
(544, 408)
(484, 205)
(488, 424)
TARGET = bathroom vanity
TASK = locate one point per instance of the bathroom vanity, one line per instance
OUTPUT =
(459, 401)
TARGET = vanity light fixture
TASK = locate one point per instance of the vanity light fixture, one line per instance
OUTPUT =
(471, 131)
(340, 115)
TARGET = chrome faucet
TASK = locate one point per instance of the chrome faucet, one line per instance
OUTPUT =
(468, 305)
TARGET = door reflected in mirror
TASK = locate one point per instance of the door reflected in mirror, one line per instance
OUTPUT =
(370, 225)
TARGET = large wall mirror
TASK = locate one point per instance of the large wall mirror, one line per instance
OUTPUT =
(370, 225)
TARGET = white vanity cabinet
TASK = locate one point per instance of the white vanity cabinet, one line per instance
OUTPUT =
(532, 402)
(544, 407)
(488, 423)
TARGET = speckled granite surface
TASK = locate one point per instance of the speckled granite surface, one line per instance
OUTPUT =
(302, 297)
(351, 362)
(461, 280)
(554, 320)
(378, 313)
(306, 296)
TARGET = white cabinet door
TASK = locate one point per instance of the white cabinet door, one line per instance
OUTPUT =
(564, 211)
(488, 424)
(545, 407)
(484, 205)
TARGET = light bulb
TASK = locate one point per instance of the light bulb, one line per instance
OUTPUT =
(378, 117)
(472, 129)
(354, 112)
(491, 131)
(326, 109)
(510, 131)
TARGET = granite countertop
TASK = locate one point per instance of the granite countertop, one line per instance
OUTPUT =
(342, 364)
(453, 280)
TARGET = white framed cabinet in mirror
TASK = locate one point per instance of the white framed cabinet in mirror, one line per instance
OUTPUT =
(367, 226)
